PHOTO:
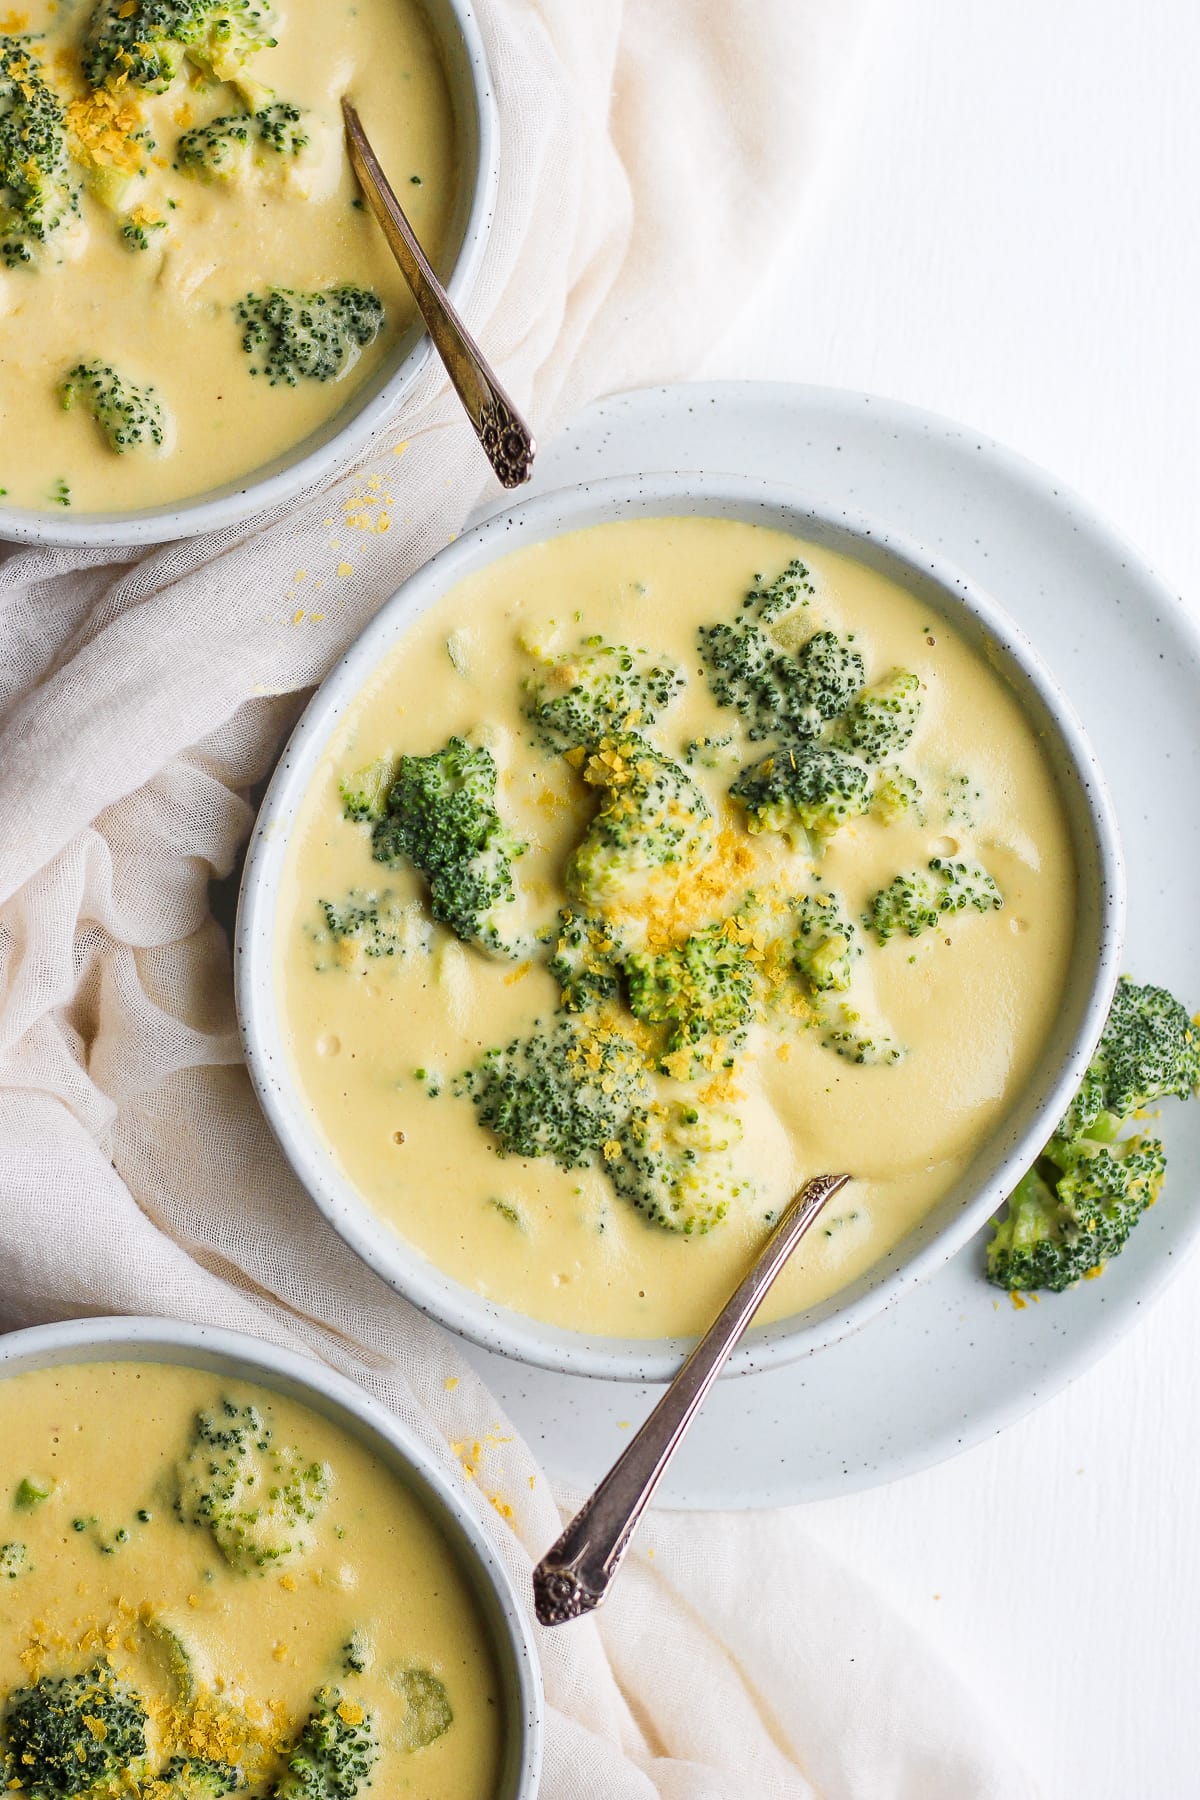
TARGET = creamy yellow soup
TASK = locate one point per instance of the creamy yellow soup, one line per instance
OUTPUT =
(163, 315)
(198, 1616)
(957, 1013)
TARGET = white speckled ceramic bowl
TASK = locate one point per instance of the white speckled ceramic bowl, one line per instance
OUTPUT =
(231, 1353)
(349, 432)
(1095, 954)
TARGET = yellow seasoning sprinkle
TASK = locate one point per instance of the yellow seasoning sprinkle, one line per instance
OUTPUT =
(298, 616)
(345, 569)
(350, 1714)
(288, 1582)
(279, 1653)
(451, 1382)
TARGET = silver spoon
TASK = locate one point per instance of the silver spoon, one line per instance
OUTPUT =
(507, 441)
(574, 1576)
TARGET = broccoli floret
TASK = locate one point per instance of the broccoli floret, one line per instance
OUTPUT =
(824, 945)
(142, 43)
(108, 138)
(129, 416)
(364, 924)
(773, 690)
(193, 1778)
(357, 1654)
(673, 1165)
(805, 791)
(702, 990)
(14, 1561)
(36, 195)
(311, 337)
(1149, 1050)
(67, 1735)
(897, 795)
(1063, 1224)
(1076, 1207)
(601, 691)
(32, 1490)
(259, 1499)
(335, 1753)
(365, 794)
(771, 601)
(710, 753)
(563, 1093)
(279, 128)
(221, 150)
(138, 229)
(881, 719)
(652, 817)
(441, 815)
(429, 1713)
(856, 1039)
(912, 903)
(586, 961)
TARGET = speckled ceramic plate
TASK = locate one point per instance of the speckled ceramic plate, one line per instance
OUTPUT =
(951, 1362)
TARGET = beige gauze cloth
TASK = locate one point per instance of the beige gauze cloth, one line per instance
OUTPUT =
(653, 154)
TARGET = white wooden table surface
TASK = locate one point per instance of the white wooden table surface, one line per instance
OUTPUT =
(1009, 233)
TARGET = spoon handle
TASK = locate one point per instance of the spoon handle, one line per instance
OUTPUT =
(507, 441)
(574, 1576)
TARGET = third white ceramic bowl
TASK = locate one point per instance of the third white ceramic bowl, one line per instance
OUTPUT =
(993, 1172)
(369, 408)
(237, 1356)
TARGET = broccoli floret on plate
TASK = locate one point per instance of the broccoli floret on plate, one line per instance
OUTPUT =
(880, 720)
(1076, 1207)
(142, 43)
(673, 1164)
(824, 945)
(586, 961)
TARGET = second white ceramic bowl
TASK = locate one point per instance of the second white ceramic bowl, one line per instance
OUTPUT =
(242, 1358)
(999, 1163)
(370, 407)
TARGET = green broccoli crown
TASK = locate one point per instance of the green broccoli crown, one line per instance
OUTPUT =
(441, 815)
(371, 922)
(913, 903)
(601, 691)
(773, 690)
(220, 150)
(674, 1168)
(429, 1713)
(365, 793)
(897, 795)
(1064, 1223)
(702, 990)
(137, 232)
(129, 416)
(880, 720)
(858, 1039)
(142, 43)
(1077, 1206)
(335, 1753)
(770, 601)
(652, 817)
(803, 790)
(824, 946)
(1149, 1050)
(194, 1778)
(586, 961)
(66, 1735)
(36, 193)
(564, 1092)
(312, 337)
(14, 1561)
(258, 1499)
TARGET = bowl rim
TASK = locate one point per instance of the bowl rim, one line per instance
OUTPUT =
(119, 1338)
(178, 520)
(484, 1322)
